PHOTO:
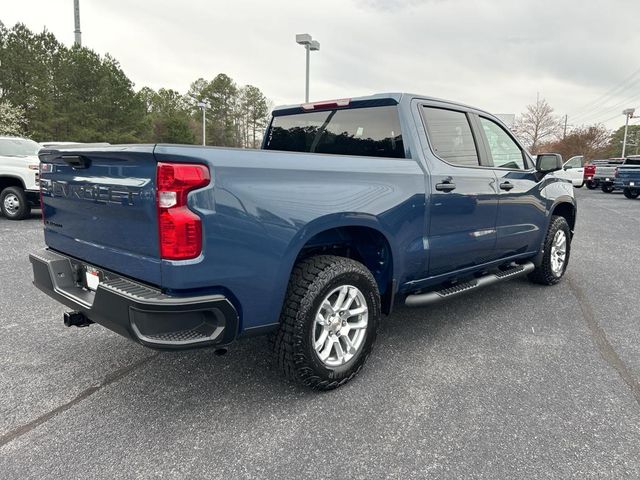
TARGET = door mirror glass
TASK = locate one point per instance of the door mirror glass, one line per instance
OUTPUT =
(548, 162)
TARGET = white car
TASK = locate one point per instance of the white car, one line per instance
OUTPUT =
(574, 170)
(19, 168)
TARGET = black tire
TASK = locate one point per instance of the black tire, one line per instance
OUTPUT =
(631, 193)
(311, 281)
(11, 195)
(591, 185)
(544, 274)
(607, 188)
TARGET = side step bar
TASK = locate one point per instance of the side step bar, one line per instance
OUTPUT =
(421, 299)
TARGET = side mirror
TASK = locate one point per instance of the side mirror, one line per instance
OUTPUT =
(548, 162)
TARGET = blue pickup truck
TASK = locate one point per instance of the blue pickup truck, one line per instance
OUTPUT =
(627, 177)
(351, 207)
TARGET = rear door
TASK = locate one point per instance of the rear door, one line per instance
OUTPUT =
(99, 206)
(521, 209)
(463, 202)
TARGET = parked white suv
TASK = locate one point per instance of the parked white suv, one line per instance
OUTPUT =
(19, 187)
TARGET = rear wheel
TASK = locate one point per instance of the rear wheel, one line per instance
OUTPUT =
(591, 185)
(328, 323)
(631, 193)
(555, 257)
(14, 204)
(607, 188)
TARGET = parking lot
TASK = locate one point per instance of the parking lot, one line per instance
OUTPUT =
(511, 381)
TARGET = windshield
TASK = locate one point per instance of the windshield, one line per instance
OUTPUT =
(373, 132)
(18, 147)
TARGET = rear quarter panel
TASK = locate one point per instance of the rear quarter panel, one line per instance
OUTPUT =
(263, 206)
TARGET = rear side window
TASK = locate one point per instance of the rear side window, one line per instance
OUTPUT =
(371, 132)
(450, 136)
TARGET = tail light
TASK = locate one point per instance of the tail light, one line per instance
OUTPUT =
(180, 229)
(589, 170)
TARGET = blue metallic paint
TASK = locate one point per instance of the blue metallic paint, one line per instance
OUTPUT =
(262, 207)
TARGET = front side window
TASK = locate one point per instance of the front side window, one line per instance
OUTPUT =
(368, 131)
(504, 151)
(574, 162)
(450, 136)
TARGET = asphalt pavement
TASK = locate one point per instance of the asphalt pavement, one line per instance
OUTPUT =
(514, 381)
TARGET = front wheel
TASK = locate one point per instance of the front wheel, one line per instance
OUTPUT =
(14, 204)
(555, 256)
(607, 188)
(631, 193)
(328, 322)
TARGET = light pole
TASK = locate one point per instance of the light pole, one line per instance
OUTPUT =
(310, 45)
(628, 113)
(76, 21)
(204, 106)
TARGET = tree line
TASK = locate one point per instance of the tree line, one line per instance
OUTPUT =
(51, 92)
(542, 131)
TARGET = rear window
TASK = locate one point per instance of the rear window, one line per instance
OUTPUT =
(18, 147)
(371, 132)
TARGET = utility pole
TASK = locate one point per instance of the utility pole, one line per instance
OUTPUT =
(204, 106)
(76, 16)
(564, 135)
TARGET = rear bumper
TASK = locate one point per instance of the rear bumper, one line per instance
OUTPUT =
(33, 197)
(134, 310)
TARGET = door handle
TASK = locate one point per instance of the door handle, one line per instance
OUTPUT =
(76, 161)
(445, 186)
(506, 186)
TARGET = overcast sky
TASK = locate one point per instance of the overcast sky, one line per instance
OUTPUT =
(494, 54)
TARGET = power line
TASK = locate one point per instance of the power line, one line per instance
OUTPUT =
(597, 111)
(611, 92)
(608, 110)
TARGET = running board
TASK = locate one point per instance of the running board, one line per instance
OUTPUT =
(421, 299)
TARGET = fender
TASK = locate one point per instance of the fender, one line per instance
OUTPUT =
(319, 225)
(557, 201)
(15, 177)
(328, 222)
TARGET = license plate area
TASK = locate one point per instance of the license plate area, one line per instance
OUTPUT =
(92, 277)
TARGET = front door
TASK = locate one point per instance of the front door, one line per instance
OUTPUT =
(521, 208)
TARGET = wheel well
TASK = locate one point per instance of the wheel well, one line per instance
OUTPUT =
(567, 211)
(10, 182)
(363, 244)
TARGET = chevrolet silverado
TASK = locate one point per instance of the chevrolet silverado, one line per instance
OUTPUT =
(351, 206)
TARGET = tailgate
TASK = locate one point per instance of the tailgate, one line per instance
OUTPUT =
(608, 171)
(629, 174)
(100, 207)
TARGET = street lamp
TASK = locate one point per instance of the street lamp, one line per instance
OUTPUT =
(310, 45)
(628, 113)
(204, 106)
